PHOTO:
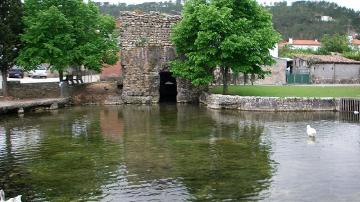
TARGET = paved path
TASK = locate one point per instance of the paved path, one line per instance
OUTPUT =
(13, 105)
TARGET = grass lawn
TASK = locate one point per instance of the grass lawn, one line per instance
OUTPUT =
(291, 91)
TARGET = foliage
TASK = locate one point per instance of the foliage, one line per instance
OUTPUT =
(329, 43)
(229, 34)
(66, 33)
(10, 28)
(288, 52)
(335, 43)
(293, 91)
(301, 19)
(354, 55)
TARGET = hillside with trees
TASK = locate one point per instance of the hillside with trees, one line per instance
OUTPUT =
(162, 7)
(302, 20)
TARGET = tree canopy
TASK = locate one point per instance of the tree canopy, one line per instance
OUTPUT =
(10, 29)
(66, 33)
(230, 34)
(335, 43)
(302, 20)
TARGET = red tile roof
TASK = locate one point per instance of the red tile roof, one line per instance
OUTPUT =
(356, 42)
(327, 59)
(306, 42)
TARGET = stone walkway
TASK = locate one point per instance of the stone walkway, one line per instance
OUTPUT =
(7, 106)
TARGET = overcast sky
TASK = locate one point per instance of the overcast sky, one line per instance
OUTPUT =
(354, 4)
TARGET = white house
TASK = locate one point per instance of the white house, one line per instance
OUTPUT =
(327, 19)
(275, 51)
(304, 44)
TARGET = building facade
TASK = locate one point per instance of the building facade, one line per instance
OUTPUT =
(304, 44)
(327, 69)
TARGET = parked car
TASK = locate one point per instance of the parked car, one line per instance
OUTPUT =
(39, 72)
(16, 72)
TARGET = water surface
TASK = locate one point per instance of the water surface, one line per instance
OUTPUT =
(179, 153)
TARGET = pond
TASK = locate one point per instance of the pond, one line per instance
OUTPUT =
(179, 153)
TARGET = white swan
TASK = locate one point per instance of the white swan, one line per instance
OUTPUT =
(356, 112)
(310, 131)
(15, 199)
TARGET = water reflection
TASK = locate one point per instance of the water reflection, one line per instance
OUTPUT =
(178, 153)
(61, 157)
(213, 160)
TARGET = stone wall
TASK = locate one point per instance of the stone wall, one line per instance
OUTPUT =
(246, 103)
(33, 90)
(188, 92)
(277, 75)
(146, 51)
(98, 93)
(335, 73)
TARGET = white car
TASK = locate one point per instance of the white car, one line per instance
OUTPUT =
(40, 72)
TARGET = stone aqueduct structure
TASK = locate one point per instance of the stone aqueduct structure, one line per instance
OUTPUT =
(145, 52)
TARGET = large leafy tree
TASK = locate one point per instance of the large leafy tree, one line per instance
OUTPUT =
(66, 34)
(231, 34)
(10, 28)
(335, 43)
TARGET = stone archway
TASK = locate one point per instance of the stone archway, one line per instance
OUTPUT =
(146, 51)
(168, 87)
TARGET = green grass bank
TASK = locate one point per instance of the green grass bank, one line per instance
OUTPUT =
(291, 91)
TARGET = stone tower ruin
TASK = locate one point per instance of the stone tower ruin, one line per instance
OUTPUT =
(146, 50)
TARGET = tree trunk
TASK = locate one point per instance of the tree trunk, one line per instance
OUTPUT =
(234, 77)
(245, 78)
(252, 79)
(61, 75)
(4, 83)
(225, 72)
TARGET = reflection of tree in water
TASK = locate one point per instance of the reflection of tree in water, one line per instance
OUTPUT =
(147, 153)
(215, 160)
(230, 163)
(71, 161)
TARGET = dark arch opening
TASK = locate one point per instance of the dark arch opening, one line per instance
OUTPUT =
(168, 90)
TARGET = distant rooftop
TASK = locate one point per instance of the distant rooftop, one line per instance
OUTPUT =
(305, 42)
(355, 42)
(327, 59)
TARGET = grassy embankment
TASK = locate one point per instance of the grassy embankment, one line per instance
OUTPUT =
(292, 91)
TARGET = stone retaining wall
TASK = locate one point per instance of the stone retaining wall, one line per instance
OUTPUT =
(247, 103)
(32, 104)
(98, 93)
(33, 90)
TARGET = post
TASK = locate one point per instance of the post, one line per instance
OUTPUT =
(4, 84)
(225, 71)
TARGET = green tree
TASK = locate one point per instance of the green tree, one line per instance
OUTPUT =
(230, 34)
(10, 28)
(335, 43)
(66, 34)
